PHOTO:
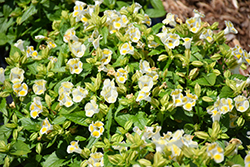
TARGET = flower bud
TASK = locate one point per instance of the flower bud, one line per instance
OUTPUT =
(39, 147)
(197, 63)
(162, 57)
(103, 19)
(240, 121)
(229, 149)
(201, 135)
(207, 99)
(216, 56)
(89, 28)
(4, 94)
(193, 73)
(150, 38)
(144, 162)
(214, 26)
(197, 89)
(66, 124)
(215, 129)
(33, 136)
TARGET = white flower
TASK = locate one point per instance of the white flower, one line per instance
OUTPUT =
(98, 2)
(65, 88)
(79, 93)
(134, 34)
(96, 129)
(177, 97)
(46, 126)
(65, 100)
(21, 89)
(78, 12)
(70, 35)
(51, 44)
(30, 52)
(137, 7)
(127, 48)
(197, 14)
(19, 44)
(144, 67)
(194, 24)
(40, 37)
(74, 147)
(53, 59)
(75, 66)
(109, 91)
(169, 20)
(110, 94)
(145, 83)
(96, 160)
(207, 34)
(215, 152)
(36, 107)
(2, 77)
(91, 108)
(143, 96)
(78, 49)
(230, 28)
(39, 86)
(241, 103)
(121, 75)
(187, 42)
(106, 56)
(147, 20)
(96, 41)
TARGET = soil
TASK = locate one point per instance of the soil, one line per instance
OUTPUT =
(236, 11)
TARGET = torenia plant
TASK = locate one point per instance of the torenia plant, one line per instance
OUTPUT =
(106, 89)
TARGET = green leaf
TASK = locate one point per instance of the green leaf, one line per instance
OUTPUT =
(200, 81)
(56, 88)
(59, 120)
(157, 4)
(157, 27)
(105, 33)
(3, 105)
(109, 2)
(5, 133)
(109, 120)
(155, 52)
(92, 141)
(80, 138)
(211, 78)
(106, 160)
(154, 13)
(53, 161)
(77, 117)
(33, 67)
(140, 120)
(28, 13)
(122, 119)
(63, 50)
(120, 4)
(237, 159)
(67, 110)
(20, 148)
(30, 125)
(60, 69)
(238, 76)
(225, 92)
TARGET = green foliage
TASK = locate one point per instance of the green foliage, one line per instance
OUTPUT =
(103, 86)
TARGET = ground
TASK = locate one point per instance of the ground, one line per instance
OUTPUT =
(237, 11)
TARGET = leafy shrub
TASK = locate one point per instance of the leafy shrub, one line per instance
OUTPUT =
(104, 89)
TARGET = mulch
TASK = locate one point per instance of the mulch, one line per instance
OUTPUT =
(236, 11)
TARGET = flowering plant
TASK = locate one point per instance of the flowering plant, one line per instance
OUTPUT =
(106, 89)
